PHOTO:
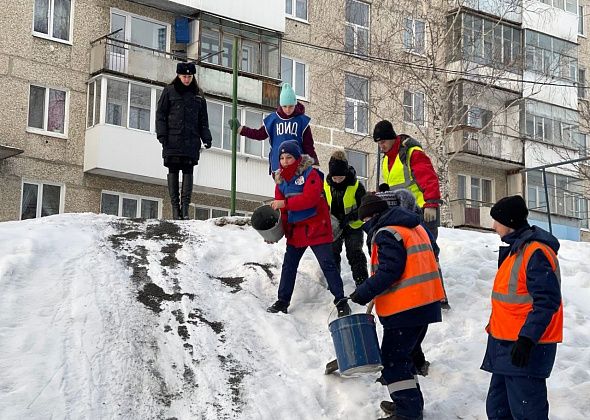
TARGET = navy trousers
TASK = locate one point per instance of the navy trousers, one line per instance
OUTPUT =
(353, 241)
(399, 370)
(517, 397)
(325, 258)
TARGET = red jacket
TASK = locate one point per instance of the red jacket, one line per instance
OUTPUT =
(423, 172)
(317, 229)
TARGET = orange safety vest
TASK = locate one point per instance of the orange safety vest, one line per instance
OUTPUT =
(420, 283)
(511, 301)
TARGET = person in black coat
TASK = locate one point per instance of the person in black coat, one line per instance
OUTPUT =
(181, 124)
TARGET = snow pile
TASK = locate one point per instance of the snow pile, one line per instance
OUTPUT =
(105, 318)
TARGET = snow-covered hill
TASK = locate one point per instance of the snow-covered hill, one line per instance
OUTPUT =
(108, 318)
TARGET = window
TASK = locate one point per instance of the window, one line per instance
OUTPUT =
(475, 189)
(128, 104)
(356, 30)
(414, 107)
(565, 194)
(202, 213)
(414, 35)
(358, 160)
(551, 56)
(52, 19)
(551, 124)
(581, 20)
(582, 83)
(139, 30)
(294, 73)
(258, 49)
(117, 204)
(40, 199)
(582, 140)
(479, 118)
(356, 109)
(219, 213)
(567, 5)
(296, 9)
(47, 110)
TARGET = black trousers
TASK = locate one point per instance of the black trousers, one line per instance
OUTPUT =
(352, 239)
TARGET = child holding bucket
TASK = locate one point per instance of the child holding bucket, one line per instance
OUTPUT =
(288, 122)
(306, 222)
(406, 287)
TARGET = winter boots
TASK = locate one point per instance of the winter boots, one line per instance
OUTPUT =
(187, 192)
(388, 408)
(343, 308)
(174, 195)
(278, 306)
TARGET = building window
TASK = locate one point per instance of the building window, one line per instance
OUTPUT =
(258, 49)
(52, 19)
(356, 30)
(414, 107)
(358, 160)
(356, 110)
(565, 194)
(582, 83)
(295, 73)
(581, 20)
(47, 110)
(582, 140)
(567, 5)
(93, 103)
(202, 213)
(551, 56)
(551, 124)
(296, 9)
(414, 35)
(476, 190)
(40, 199)
(139, 30)
(132, 206)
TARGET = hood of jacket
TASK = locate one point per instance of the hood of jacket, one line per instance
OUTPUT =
(306, 162)
(519, 238)
(348, 181)
(299, 109)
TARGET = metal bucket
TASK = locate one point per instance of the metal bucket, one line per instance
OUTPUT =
(356, 344)
(336, 231)
(267, 222)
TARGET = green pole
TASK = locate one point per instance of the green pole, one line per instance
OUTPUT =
(234, 133)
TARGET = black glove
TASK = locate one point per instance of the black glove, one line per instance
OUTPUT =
(356, 298)
(521, 351)
(207, 144)
(234, 123)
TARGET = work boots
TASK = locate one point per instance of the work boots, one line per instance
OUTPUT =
(174, 195)
(187, 192)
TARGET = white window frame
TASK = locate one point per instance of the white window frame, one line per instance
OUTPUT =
(293, 14)
(49, 34)
(44, 130)
(355, 28)
(412, 48)
(132, 197)
(413, 93)
(128, 19)
(293, 83)
(467, 193)
(40, 185)
(356, 103)
(581, 21)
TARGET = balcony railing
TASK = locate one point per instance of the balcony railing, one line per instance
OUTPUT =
(471, 213)
(489, 145)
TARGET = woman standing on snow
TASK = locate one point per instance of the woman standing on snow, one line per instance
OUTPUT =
(181, 124)
(306, 222)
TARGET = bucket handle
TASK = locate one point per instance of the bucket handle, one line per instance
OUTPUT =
(368, 311)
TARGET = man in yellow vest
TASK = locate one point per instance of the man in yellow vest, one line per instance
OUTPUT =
(344, 192)
(526, 322)
(406, 287)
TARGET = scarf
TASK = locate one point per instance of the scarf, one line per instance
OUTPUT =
(288, 172)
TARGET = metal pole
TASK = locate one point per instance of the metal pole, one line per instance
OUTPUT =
(234, 132)
(547, 201)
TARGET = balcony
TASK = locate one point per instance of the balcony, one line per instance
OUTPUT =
(498, 150)
(471, 213)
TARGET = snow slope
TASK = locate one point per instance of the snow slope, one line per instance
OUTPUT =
(108, 318)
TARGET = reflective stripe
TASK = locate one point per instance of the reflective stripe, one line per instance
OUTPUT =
(411, 250)
(401, 385)
(293, 194)
(411, 281)
(418, 248)
(500, 297)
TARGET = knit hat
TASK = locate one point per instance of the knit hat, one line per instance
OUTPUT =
(186, 68)
(511, 212)
(287, 95)
(291, 147)
(371, 205)
(384, 131)
(399, 198)
(338, 165)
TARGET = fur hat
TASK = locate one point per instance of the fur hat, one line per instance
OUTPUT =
(288, 96)
(371, 205)
(291, 147)
(338, 164)
(511, 211)
(384, 131)
(186, 68)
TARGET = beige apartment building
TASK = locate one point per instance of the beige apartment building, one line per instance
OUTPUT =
(489, 88)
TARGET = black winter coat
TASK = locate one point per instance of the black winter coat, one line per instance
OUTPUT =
(338, 190)
(182, 121)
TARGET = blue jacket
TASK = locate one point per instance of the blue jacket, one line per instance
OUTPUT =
(392, 262)
(544, 288)
(280, 130)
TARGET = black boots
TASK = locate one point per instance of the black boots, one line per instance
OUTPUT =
(187, 192)
(278, 306)
(174, 195)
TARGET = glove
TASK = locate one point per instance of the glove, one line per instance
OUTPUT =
(356, 298)
(429, 214)
(521, 351)
(234, 124)
(207, 144)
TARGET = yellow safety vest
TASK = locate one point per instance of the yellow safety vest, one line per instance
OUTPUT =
(349, 201)
(400, 175)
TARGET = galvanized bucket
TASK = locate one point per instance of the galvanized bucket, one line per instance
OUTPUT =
(267, 222)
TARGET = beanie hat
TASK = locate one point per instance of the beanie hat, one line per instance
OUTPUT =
(399, 198)
(291, 147)
(384, 131)
(371, 205)
(186, 68)
(338, 164)
(287, 95)
(511, 212)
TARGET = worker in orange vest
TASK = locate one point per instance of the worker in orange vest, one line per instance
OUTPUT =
(527, 316)
(406, 287)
